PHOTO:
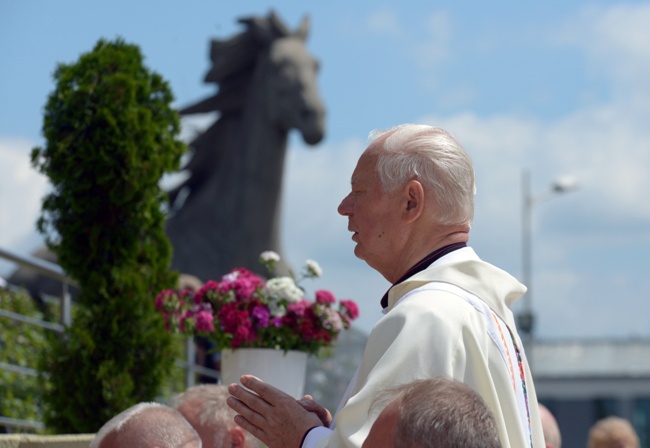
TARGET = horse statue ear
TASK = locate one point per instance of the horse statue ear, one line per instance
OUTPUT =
(266, 30)
(278, 26)
(259, 29)
(303, 30)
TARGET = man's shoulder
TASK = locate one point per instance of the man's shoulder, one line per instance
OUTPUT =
(493, 285)
(431, 305)
(458, 272)
(432, 295)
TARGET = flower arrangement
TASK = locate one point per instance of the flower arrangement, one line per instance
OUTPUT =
(244, 310)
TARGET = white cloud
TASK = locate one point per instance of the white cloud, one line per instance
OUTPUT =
(454, 97)
(383, 22)
(607, 149)
(430, 52)
(435, 48)
(22, 189)
(193, 125)
(427, 52)
(615, 39)
(319, 175)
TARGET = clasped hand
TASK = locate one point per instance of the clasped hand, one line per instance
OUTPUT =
(274, 417)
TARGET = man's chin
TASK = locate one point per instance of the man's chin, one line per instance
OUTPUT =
(358, 252)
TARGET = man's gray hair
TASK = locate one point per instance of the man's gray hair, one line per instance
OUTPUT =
(148, 424)
(440, 413)
(437, 160)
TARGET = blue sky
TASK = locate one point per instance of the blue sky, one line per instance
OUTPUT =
(559, 88)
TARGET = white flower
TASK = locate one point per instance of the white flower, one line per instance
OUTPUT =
(280, 290)
(313, 269)
(283, 288)
(268, 256)
(230, 277)
(276, 309)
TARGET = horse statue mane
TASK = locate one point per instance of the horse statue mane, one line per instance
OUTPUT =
(228, 210)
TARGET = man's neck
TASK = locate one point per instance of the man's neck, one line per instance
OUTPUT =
(423, 264)
(422, 247)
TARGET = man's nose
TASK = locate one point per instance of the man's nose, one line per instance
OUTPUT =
(345, 207)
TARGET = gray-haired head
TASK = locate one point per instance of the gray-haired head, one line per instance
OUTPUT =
(436, 413)
(433, 157)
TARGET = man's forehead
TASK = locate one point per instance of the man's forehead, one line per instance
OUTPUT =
(366, 167)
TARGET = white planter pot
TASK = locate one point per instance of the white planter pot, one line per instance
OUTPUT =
(286, 371)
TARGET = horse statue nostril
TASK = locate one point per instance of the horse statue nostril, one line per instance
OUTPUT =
(314, 135)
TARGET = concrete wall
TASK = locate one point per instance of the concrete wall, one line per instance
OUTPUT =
(33, 441)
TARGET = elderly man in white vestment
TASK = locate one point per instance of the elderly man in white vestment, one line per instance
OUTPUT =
(447, 313)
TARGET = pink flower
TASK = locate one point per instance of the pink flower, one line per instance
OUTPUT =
(165, 300)
(242, 335)
(209, 286)
(186, 321)
(204, 321)
(242, 282)
(298, 308)
(350, 308)
(325, 297)
(232, 318)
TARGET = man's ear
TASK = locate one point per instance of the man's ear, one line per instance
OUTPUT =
(414, 194)
(237, 437)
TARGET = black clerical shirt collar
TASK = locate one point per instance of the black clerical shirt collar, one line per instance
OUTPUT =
(422, 265)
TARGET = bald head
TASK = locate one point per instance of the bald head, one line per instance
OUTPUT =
(147, 425)
(612, 432)
(204, 407)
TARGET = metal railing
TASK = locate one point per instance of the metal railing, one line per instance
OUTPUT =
(54, 271)
(50, 270)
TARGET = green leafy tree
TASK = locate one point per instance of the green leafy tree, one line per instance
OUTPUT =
(110, 136)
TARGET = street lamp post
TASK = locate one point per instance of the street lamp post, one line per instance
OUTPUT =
(526, 318)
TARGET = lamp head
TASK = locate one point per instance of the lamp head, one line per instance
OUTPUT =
(564, 184)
